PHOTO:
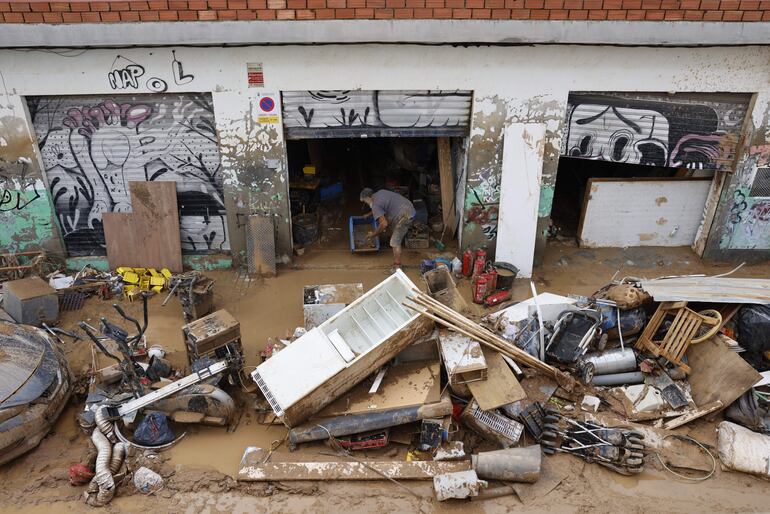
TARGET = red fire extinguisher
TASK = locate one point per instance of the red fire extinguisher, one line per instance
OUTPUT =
(467, 262)
(480, 262)
(498, 297)
(491, 275)
(479, 289)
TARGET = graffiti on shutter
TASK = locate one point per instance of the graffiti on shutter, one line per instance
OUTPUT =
(92, 147)
(343, 113)
(679, 131)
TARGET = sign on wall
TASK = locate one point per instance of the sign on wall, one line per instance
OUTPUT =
(255, 75)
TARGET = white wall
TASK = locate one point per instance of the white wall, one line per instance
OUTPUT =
(516, 84)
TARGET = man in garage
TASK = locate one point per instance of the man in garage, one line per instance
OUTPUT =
(392, 211)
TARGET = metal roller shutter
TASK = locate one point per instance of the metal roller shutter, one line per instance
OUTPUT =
(682, 130)
(339, 113)
(93, 146)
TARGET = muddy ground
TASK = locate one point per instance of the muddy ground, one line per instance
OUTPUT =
(200, 468)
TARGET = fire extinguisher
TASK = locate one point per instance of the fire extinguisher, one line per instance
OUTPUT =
(498, 297)
(480, 263)
(479, 289)
(467, 262)
(491, 275)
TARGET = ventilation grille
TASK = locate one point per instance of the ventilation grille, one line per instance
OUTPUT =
(761, 185)
(260, 245)
(498, 423)
(268, 395)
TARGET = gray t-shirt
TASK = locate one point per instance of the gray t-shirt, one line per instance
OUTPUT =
(391, 205)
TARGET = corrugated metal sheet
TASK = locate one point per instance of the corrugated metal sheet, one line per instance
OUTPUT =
(696, 131)
(93, 146)
(343, 113)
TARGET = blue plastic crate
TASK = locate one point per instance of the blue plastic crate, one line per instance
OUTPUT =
(371, 225)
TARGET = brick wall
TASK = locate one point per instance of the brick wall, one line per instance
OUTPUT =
(210, 10)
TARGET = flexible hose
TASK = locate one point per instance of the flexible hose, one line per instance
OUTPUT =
(103, 477)
(104, 424)
(118, 456)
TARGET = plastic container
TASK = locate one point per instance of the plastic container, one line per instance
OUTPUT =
(359, 226)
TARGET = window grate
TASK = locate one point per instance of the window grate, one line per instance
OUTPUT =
(761, 185)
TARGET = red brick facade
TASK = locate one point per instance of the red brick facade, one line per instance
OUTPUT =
(210, 10)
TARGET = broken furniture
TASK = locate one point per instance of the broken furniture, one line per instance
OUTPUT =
(148, 236)
(215, 337)
(442, 287)
(682, 332)
(31, 301)
(195, 292)
(330, 359)
(463, 359)
(14, 266)
(321, 302)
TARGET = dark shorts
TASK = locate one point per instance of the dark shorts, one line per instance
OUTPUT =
(400, 228)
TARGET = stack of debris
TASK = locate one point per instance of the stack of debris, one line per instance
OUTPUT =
(578, 375)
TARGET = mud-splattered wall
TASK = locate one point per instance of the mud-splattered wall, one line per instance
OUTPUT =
(256, 181)
(26, 216)
(485, 154)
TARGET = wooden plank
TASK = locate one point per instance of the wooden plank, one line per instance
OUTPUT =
(371, 470)
(692, 415)
(148, 236)
(501, 386)
(447, 185)
(659, 212)
(404, 385)
(718, 373)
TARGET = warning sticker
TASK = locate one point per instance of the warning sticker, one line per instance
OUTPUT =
(268, 120)
(254, 73)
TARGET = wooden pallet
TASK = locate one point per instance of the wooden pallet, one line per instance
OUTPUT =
(681, 334)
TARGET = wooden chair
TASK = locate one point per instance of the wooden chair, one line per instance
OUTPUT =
(681, 334)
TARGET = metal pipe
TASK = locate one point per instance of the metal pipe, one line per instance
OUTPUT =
(635, 377)
(511, 464)
(612, 361)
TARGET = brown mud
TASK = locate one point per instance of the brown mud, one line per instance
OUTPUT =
(200, 468)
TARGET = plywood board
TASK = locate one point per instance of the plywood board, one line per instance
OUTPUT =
(718, 373)
(523, 146)
(461, 354)
(642, 212)
(500, 388)
(405, 385)
(148, 236)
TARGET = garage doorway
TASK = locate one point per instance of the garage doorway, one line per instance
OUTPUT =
(644, 169)
(339, 141)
